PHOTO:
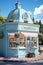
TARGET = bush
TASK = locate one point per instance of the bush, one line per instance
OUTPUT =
(30, 54)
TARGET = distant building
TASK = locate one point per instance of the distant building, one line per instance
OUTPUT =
(18, 35)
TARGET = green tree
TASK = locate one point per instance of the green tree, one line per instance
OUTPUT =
(37, 22)
(41, 32)
(2, 19)
(40, 25)
(33, 20)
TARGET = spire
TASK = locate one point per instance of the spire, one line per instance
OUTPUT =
(18, 5)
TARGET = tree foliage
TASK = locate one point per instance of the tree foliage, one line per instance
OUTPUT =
(40, 30)
(33, 20)
(2, 19)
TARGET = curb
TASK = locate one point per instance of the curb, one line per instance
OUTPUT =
(21, 59)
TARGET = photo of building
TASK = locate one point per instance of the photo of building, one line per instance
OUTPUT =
(18, 35)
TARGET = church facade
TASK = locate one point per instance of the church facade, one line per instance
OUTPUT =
(18, 35)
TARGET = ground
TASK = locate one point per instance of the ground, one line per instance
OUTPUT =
(22, 61)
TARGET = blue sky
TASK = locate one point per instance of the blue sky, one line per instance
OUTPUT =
(34, 6)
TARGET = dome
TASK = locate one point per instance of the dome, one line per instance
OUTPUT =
(19, 15)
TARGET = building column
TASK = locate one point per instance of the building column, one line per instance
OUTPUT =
(30, 43)
(27, 45)
(37, 43)
(26, 42)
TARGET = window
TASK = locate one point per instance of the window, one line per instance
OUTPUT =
(22, 40)
(12, 41)
(25, 16)
(17, 39)
(34, 42)
(28, 40)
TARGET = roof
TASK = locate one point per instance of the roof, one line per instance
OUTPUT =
(19, 15)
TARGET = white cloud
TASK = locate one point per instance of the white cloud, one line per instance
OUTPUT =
(38, 10)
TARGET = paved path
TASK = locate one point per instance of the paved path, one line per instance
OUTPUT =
(22, 59)
(20, 63)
